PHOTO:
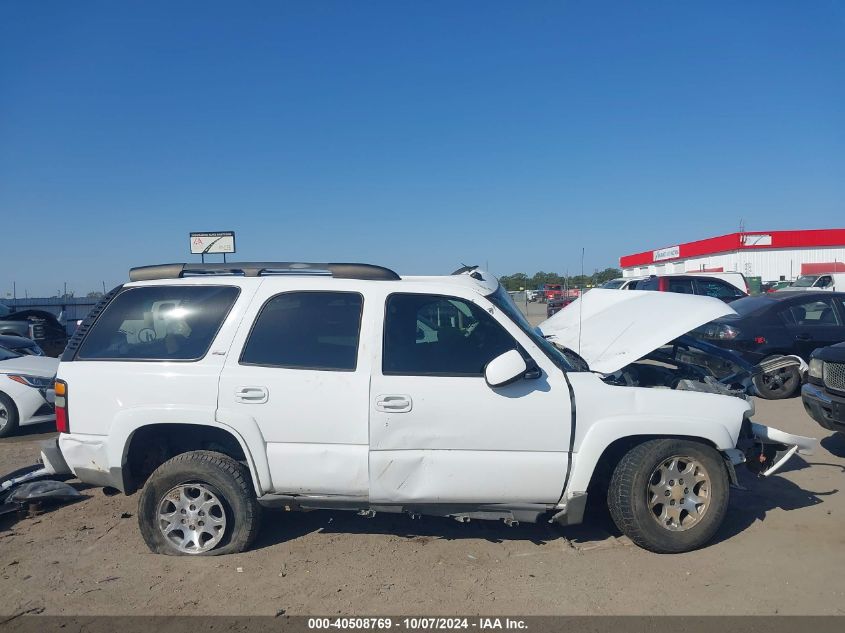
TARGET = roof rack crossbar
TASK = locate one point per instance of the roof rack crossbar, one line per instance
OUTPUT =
(257, 269)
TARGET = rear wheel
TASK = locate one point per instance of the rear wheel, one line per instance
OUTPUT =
(778, 384)
(669, 495)
(8, 416)
(199, 503)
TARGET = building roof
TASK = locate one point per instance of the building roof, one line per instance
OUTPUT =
(748, 240)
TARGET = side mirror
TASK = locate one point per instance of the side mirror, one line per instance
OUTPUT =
(505, 369)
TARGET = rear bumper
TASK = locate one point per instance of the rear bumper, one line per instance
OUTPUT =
(825, 408)
(87, 458)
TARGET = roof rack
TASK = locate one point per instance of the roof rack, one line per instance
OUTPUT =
(257, 269)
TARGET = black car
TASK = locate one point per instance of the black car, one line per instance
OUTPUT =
(21, 345)
(824, 393)
(776, 324)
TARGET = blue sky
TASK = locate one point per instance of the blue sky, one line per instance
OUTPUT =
(418, 135)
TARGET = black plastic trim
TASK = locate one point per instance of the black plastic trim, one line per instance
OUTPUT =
(257, 269)
(75, 342)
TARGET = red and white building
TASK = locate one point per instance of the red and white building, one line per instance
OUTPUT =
(771, 255)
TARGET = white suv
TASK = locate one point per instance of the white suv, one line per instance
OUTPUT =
(221, 388)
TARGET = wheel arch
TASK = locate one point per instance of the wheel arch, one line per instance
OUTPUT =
(182, 433)
(609, 440)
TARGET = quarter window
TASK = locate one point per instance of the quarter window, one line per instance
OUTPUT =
(159, 323)
(442, 336)
(307, 330)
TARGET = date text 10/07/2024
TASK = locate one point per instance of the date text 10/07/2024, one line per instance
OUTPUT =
(417, 624)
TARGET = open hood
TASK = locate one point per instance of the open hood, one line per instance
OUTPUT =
(619, 327)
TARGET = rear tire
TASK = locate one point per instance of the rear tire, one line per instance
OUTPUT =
(668, 508)
(200, 503)
(8, 416)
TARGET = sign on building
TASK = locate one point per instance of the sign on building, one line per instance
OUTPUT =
(673, 252)
(209, 243)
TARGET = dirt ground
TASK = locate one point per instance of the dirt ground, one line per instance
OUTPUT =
(781, 550)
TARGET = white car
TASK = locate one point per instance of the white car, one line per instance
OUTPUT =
(827, 281)
(217, 389)
(26, 390)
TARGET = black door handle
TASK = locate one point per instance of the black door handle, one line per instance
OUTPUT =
(803, 337)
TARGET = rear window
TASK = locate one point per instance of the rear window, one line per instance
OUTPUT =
(159, 323)
(752, 305)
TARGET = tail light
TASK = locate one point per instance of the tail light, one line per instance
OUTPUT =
(62, 421)
(663, 284)
(719, 332)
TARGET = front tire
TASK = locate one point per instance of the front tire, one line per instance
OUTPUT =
(200, 503)
(669, 496)
(8, 416)
(779, 384)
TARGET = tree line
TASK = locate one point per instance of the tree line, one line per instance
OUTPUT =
(521, 280)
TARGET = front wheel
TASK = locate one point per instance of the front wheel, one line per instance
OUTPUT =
(8, 416)
(199, 503)
(778, 384)
(669, 496)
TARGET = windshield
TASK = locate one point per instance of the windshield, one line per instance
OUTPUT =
(502, 300)
(4, 310)
(6, 353)
(613, 284)
(804, 281)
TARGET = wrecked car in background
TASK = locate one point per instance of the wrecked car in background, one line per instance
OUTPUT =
(217, 389)
(38, 325)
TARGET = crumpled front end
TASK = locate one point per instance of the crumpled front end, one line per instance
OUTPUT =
(765, 450)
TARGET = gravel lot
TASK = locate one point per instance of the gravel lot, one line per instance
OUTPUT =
(781, 550)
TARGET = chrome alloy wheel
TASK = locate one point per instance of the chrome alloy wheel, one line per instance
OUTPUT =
(4, 416)
(192, 518)
(678, 493)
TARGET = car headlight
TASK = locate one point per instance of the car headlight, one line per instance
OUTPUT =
(37, 382)
(816, 368)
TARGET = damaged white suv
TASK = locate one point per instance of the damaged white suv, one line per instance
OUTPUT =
(221, 388)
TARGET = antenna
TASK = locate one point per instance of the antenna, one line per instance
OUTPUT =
(581, 302)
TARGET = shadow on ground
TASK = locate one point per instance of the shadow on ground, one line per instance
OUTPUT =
(760, 496)
(834, 444)
(43, 431)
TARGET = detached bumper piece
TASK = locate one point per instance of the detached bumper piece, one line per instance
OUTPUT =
(767, 449)
(38, 483)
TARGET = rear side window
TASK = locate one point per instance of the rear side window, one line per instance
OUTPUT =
(159, 323)
(717, 288)
(307, 330)
(681, 286)
(440, 336)
(814, 312)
